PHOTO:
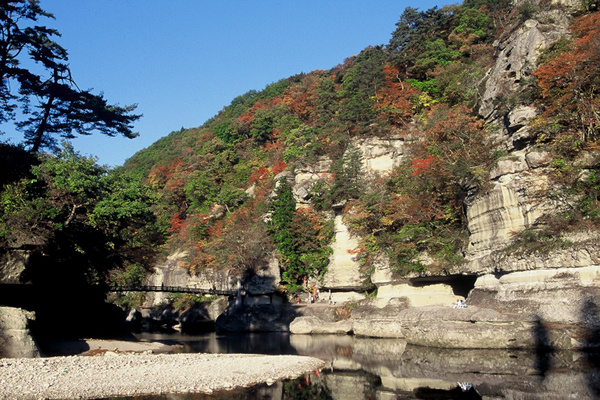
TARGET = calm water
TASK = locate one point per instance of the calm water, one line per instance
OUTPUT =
(382, 369)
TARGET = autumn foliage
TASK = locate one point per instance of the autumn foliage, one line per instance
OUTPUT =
(394, 99)
(570, 83)
(215, 185)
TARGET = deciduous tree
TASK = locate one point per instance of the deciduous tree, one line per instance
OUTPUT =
(570, 82)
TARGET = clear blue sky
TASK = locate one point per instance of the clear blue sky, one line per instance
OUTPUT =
(182, 61)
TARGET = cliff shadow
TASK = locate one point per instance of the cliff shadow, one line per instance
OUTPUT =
(258, 308)
(543, 348)
(590, 320)
(461, 285)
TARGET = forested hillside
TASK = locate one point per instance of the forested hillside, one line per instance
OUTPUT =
(215, 191)
(215, 182)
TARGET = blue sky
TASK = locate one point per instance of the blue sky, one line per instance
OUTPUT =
(182, 61)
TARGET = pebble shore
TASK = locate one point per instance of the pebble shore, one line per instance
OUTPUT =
(113, 374)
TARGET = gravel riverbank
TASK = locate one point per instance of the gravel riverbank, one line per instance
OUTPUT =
(112, 374)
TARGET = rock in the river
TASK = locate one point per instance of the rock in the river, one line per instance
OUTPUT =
(315, 325)
(369, 320)
(15, 338)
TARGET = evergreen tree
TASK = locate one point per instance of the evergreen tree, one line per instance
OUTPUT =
(50, 102)
(283, 207)
(348, 175)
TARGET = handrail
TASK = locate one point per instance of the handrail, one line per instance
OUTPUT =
(172, 289)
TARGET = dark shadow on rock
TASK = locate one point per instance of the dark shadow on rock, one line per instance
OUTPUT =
(67, 306)
(462, 285)
(590, 319)
(543, 348)
(65, 348)
(456, 393)
(257, 312)
(194, 319)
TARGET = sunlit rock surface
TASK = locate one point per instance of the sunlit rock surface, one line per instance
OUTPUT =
(343, 271)
(15, 338)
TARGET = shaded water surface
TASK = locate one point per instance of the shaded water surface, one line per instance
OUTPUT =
(364, 368)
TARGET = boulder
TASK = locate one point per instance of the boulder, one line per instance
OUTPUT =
(554, 308)
(560, 297)
(15, 338)
(537, 158)
(470, 328)
(257, 318)
(509, 165)
(13, 264)
(372, 321)
(314, 325)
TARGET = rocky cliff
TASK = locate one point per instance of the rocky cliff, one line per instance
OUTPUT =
(515, 297)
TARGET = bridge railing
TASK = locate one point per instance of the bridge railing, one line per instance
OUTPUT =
(171, 289)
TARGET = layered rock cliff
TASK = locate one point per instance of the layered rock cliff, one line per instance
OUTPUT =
(515, 297)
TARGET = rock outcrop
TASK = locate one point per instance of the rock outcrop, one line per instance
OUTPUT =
(515, 299)
(315, 325)
(515, 201)
(517, 57)
(14, 263)
(15, 338)
(343, 271)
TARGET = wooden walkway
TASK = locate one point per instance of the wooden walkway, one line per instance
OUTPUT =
(172, 289)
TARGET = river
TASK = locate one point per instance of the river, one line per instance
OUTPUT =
(366, 368)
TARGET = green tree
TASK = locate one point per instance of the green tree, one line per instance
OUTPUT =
(76, 218)
(50, 102)
(348, 172)
(283, 207)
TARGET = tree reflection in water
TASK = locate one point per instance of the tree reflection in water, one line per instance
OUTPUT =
(365, 368)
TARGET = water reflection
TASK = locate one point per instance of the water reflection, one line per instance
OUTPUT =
(363, 368)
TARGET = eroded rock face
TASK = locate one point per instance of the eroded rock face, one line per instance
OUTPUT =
(561, 295)
(579, 255)
(518, 56)
(172, 273)
(266, 280)
(343, 271)
(508, 307)
(15, 338)
(13, 264)
(315, 325)
(515, 201)
(468, 328)
(380, 155)
(418, 296)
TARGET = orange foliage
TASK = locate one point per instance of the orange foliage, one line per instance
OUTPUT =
(394, 99)
(420, 165)
(279, 167)
(258, 175)
(176, 223)
(246, 118)
(299, 101)
(261, 173)
(570, 82)
(167, 175)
